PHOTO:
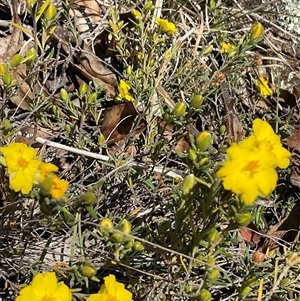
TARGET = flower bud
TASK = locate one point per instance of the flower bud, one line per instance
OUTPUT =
(101, 140)
(192, 155)
(256, 31)
(179, 110)
(222, 129)
(205, 295)
(88, 198)
(258, 257)
(50, 11)
(243, 219)
(188, 184)
(92, 97)
(203, 141)
(208, 50)
(7, 79)
(213, 236)
(137, 246)
(83, 88)
(211, 262)
(30, 56)
(148, 6)
(105, 227)
(117, 237)
(15, 60)
(68, 128)
(129, 70)
(3, 69)
(245, 291)
(196, 101)
(125, 226)
(129, 243)
(88, 271)
(213, 275)
(64, 94)
(292, 259)
(203, 161)
(136, 14)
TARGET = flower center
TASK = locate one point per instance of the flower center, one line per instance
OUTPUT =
(252, 166)
(22, 162)
(48, 299)
(112, 298)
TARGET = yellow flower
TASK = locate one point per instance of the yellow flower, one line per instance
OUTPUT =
(111, 290)
(256, 31)
(44, 170)
(58, 187)
(226, 47)
(249, 172)
(22, 165)
(168, 27)
(124, 91)
(44, 287)
(263, 87)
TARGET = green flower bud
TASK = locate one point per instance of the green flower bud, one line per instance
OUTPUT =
(285, 282)
(192, 155)
(83, 88)
(250, 280)
(7, 79)
(243, 219)
(208, 50)
(167, 117)
(129, 243)
(196, 101)
(50, 12)
(6, 125)
(292, 259)
(203, 141)
(15, 60)
(205, 295)
(88, 271)
(64, 94)
(213, 236)
(256, 31)
(148, 6)
(101, 140)
(245, 291)
(188, 184)
(117, 237)
(203, 161)
(3, 69)
(30, 56)
(105, 227)
(179, 110)
(68, 128)
(129, 70)
(213, 275)
(137, 246)
(92, 97)
(125, 226)
(222, 129)
(211, 262)
(88, 198)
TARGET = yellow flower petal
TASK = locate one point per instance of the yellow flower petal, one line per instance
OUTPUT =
(263, 87)
(168, 27)
(44, 287)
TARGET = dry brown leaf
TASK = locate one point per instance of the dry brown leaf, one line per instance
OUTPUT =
(118, 122)
(94, 67)
(88, 14)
